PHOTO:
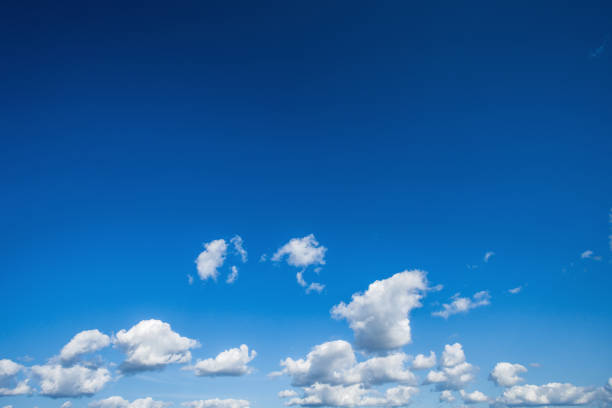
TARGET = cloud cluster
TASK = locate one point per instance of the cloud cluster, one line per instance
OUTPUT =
(302, 253)
(9, 382)
(464, 304)
(120, 402)
(84, 342)
(422, 362)
(151, 345)
(507, 374)
(232, 362)
(59, 381)
(217, 403)
(379, 317)
(353, 396)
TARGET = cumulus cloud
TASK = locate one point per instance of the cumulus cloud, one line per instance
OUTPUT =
(9, 383)
(454, 372)
(335, 363)
(353, 396)
(488, 256)
(84, 342)
(287, 394)
(217, 403)
(507, 374)
(151, 344)
(232, 362)
(379, 317)
(211, 259)
(120, 402)
(423, 362)
(231, 278)
(548, 394)
(473, 397)
(75, 381)
(516, 290)
(447, 396)
(238, 244)
(302, 252)
(464, 304)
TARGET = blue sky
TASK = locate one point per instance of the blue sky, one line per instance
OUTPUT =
(386, 144)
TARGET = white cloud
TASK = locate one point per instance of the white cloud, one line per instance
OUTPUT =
(151, 344)
(211, 259)
(217, 403)
(454, 372)
(335, 363)
(588, 254)
(379, 316)
(473, 397)
(516, 290)
(353, 396)
(59, 381)
(190, 279)
(238, 244)
(233, 275)
(232, 362)
(84, 342)
(9, 384)
(302, 252)
(315, 287)
(488, 256)
(66, 404)
(547, 394)
(507, 374)
(422, 362)
(120, 402)
(447, 396)
(287, 394)
(464, 304)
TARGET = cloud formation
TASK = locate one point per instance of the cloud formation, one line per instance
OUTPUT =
(473, 397)
(379, 317)
(422, 362)
(353, 396)
(211, 259)
(507, 374)
(548, 394)
(231, 278)
(238, 244)
(488, 256)
(9, 383)
(454, 372)
(120, 402)
(75, 381)
(232, 362)
(464, 304)
(302, 252)
(217, 403)
(84, 342)
(151, 344)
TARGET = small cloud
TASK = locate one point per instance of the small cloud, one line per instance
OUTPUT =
(316, 287)
(238, 244)
(233, 275)
(190, 279)
(263, 258)
(516, 290)
(488, 256)
(536, 365)
(588, 254)
(464, 304)
(211, 259)
(597, 52)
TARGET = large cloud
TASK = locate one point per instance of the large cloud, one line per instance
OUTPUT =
(507, 374)
(151, 344)
(217, 403)
(232, 362)
(9, 384)
(454, 372)
(59, 381)
(120, 402)
(379, 316)
(548, 394)
(211, 259)
(84, 342)
(353, 396)
(335, 363)
(464, 304)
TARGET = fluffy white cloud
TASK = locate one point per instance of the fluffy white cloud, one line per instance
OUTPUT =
(151, 344)
(463, 304)
(473, 397)
(287, 394)
(84, 342)
(454, 372)
(516, 290)
(232, 362)
(548, 394)
(447, 396)
(238, 244)
(379, 316)
(302, 252)
(66, 404)
(423, 362)
(59, 381)
(353, 396)
(211, 259)
(488, 256)
(315, 287)
(217, 403)
(507, 374)
(231, 278)
(9, 384)
(120, 402)
(335, 363)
